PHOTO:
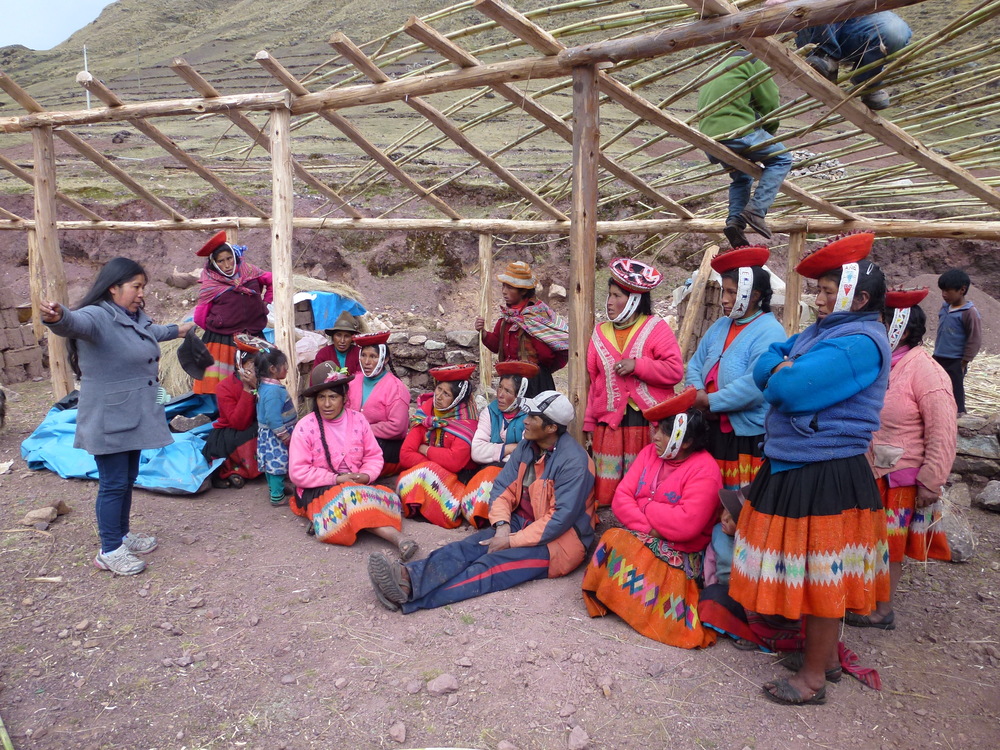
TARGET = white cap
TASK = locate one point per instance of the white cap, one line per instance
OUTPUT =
(553, 405)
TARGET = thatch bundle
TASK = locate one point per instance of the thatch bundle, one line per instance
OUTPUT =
(982, 385)
(176, 381)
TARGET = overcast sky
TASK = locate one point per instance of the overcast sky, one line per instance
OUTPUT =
(42, 24)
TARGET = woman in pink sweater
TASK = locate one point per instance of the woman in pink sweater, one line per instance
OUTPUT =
(381, 397)
(332, 459)
(913, 450)
(647, 572)
(634, 363)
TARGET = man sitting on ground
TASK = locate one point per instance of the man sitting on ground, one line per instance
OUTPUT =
(542, 515)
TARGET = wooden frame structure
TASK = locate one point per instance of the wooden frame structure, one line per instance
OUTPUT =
(567, 209)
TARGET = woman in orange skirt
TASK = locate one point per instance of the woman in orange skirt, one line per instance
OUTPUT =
(332, 459)
(811, 538)
(497, 435)
(913, 449)
(647, 573)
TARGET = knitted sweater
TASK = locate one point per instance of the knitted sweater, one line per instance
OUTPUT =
(738, 396)
(747, 107)
(658, 368)
(679, 501)
(237, 407)
(919, 418)
(387, 408)
(959, 333)
(349, 439)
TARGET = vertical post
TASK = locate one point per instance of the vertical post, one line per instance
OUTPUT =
(48, 250)
(695, 301)
(282, 212)
(35, 285)
(583, 234)
(485, 306)
(793, 283)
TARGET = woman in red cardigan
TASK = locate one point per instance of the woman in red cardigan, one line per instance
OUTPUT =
(234, 434)
(647, 572)
(437, 452)
(634, 363)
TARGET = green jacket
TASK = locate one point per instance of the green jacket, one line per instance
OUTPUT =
(747, 107)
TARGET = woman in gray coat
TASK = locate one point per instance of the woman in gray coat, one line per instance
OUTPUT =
(115, 352)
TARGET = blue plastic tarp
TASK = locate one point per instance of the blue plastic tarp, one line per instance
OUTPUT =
(178, 468)
(327, 307)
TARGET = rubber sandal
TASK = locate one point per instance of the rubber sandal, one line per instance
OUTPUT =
(744, 644)
(865, 621)
(407, 549)
(787, 695)
(387, 579)
(793, 662)
(220, 484)
(237, 482)
(280, 503)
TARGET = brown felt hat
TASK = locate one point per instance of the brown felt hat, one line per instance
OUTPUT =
(325, 375)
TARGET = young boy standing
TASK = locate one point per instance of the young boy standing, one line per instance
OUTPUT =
(959, 333)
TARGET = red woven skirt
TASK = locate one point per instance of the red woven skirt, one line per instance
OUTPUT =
(614, 450)
(913, 532)
(221, 347)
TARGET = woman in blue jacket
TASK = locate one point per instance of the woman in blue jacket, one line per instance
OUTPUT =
(722, 367)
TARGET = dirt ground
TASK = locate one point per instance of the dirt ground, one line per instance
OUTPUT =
(244, 632)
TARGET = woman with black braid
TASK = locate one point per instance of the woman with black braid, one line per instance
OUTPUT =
(333, 458)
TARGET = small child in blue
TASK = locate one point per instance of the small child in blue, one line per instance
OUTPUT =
(959, 333)
(719, 556)
(276, 417)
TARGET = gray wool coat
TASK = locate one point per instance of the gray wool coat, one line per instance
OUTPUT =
(119, 362)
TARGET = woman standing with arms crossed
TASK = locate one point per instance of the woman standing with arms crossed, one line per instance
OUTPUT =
(811, 538)
(115, 352)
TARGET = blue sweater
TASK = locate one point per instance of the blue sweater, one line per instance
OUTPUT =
(738, 396)
(827, 404)
(959, 332)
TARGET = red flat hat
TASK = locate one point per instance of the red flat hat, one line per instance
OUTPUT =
(219, 238)
(900, 299)
(516, 367)
(247, 343)
(740, 257)
(634, 275)
(451, 373)
(371, 339)
(848, 248)
(672, 406)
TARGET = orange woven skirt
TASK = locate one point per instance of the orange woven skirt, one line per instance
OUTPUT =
(476, 502)
(812, 541)
(913, 532)
(340, 512)
(221, 347)
(433, 492)
(658, 599)
(614, 450)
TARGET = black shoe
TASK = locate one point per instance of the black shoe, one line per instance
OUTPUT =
(825, 65)
(756, 223)
(877, 99)
(735, 236)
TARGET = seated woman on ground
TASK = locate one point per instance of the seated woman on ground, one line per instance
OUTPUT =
(342, 350)
(497, 435)
(234, 434)
(668, 502)
(333, 458)
(437, 452)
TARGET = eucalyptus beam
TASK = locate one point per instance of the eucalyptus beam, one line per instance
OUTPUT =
(282, 211)
(458, 56)
(24, 175)
(801, 74)
(350, 51)
(758, 22)
(189, 75)
(158, 137)
(283, 76)
(10, 215)
(544, 42)
(793, 283)
(695, 301)
(946, 230)
(583, 235)
(23, 98)
(485, 307)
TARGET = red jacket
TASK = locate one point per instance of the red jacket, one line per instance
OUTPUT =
(519, 345)
(237, 408)
(329, 354)
(453, 456)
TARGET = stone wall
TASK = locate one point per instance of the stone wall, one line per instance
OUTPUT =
(20, 354)
(415, 352)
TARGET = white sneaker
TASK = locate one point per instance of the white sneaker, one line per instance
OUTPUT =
(121, 562)
(139, 544)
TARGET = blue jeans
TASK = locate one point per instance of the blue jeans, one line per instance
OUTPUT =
(464, 569)
(116, 473)
(859, 41)
(776, 168)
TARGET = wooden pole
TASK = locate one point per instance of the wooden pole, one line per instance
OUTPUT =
(24, 175)
(48, 250)
(793, 283)
(685, 339)
(485, 307)
(282, 211)
(583, 234)
(35, 284)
